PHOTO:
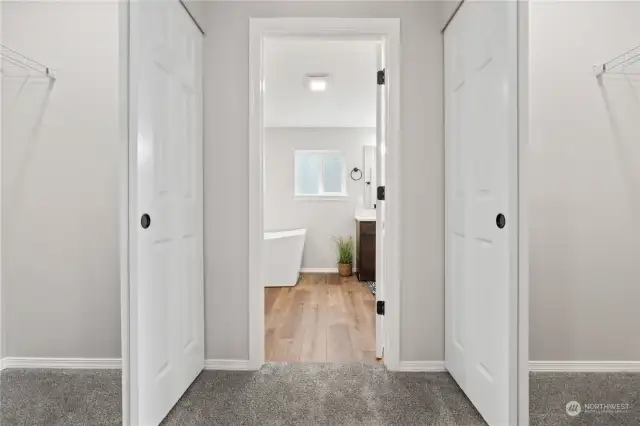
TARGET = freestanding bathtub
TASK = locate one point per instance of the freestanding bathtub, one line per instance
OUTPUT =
(282, 257)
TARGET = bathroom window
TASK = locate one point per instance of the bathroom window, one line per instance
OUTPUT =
(320, 174)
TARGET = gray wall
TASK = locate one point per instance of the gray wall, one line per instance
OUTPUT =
(323, 219)
(60, 276)
(226, 170)
(585, 184)
(197, 9)
(447, 8)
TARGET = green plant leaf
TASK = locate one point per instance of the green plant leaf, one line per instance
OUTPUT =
(345, 249)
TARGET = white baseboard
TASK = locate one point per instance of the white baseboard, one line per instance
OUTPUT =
(416, 366)
(106, 363)
(584, 366)
(243, 365)
(58, 363)
(227, 364)
(541, 366)
(321, 270)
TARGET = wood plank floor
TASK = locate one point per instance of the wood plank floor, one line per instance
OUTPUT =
(324, 318)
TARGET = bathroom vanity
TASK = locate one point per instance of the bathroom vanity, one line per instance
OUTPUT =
(366, 219)
(366, 247)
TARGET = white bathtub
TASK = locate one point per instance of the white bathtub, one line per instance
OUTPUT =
(282, 257)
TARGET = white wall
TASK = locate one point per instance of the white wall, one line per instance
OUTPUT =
(226, 169)
(447, 9)
(585, 184)
(323, 219)
(350, 98)
(60, 276)
(197, 9)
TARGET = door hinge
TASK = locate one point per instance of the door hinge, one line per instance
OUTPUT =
(380, 77)
(380, 307)
(380, 193)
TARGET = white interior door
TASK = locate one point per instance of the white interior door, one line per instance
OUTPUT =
(481, 184)
(166, 183)
(381, 109)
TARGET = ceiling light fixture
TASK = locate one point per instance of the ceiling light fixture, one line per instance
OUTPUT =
(318, 85)
(317, 82)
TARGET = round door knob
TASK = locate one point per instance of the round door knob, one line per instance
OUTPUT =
(501, 221)
(145, 221)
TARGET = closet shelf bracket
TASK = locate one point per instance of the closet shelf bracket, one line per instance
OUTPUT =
(618, 64)
(14, 58)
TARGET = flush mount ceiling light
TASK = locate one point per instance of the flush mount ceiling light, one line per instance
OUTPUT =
(317, 82)
(317, 85)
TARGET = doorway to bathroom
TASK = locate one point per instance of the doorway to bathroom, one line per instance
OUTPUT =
(319, 200)
(319, 136)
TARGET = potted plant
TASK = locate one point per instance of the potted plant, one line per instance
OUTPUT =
(345, 256)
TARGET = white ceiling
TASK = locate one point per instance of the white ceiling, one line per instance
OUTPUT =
(350, 99)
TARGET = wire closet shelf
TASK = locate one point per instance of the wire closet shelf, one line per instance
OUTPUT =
(9, 56)
(628, 62)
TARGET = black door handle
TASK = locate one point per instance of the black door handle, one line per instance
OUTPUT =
(145, 221)
(500, 220)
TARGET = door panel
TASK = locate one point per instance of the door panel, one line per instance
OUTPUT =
(167, 304)
(456, 226)
(481, 162)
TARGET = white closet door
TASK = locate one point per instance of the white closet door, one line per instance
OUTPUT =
(166, 182)
(481, 191)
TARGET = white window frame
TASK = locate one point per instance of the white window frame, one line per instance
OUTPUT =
(321, 193)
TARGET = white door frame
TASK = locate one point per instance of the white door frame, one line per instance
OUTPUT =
(380, 152)
(1, 329)
(520, 304)
(522, 373)
(123, 161)
(387, 30)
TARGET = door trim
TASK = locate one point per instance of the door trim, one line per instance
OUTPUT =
(2, 334)
(123, 211)
(522, 301)
(388, 30)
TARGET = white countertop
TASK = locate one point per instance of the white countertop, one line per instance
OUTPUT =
(368, 215)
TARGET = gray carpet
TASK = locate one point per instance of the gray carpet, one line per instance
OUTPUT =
(306, 394)
(60, 397)
(327, 394)
(550, 393)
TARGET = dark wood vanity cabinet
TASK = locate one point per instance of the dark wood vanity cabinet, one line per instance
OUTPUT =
(366, 250)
